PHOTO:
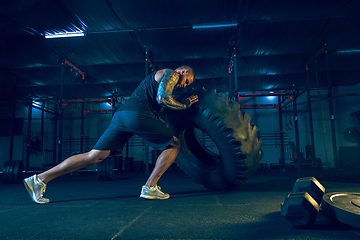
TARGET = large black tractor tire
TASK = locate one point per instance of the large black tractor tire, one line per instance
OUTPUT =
(238, 151)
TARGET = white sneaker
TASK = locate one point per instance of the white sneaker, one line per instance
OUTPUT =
(36, 188)
(153, 193)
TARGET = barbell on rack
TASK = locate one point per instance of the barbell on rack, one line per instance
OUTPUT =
(13, 171)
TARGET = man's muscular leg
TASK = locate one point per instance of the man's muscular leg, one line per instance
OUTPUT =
(74, 163)
(164, 161)
(36, 184)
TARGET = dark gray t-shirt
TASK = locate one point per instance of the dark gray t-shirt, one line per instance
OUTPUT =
(144, 96)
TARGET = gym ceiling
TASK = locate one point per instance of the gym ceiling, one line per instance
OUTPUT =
(272, 40)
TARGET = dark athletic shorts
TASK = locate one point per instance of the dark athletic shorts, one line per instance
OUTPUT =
(127, 123)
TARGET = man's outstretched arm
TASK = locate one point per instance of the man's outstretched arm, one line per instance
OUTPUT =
(166, 87)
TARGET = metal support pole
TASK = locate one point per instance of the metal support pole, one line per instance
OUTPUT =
(61, 114)
(230, 81)
(56, 115)
(42, 125)
(127, 149)
(113, 108)
(235, 71)
(282, 148)
(233, 83)
(331, 109)
(113, 102)
(296, 124)
(28, 135)
(12, 130)
(13, 125)
(82, 123)
(70, 143)
(147, 150)
(310, 113)
(146, 63)
(82, 127)
(333, 136)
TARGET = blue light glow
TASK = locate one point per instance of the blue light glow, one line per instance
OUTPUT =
(349, 51)
(270, 98)
(37, 104)
(267, 72)
(261, 52)
(65, 34)
(214, 25)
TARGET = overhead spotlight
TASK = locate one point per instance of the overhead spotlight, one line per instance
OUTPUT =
(37, 104)
(349, 51)
(214, 25)
(64, 34)
(271, 97)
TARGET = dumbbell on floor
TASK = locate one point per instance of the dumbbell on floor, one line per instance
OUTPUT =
(301, 207)
(310, 185)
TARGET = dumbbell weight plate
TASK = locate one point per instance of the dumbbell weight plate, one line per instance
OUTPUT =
(109, 169)
(5, 172)
(100, 176)
(343, 206)
(17, 171)
(104, 170)
(10, 172)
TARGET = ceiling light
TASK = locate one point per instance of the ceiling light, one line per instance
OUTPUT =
(349, 51)
(214, 25)
(36, 104)
(64, 34)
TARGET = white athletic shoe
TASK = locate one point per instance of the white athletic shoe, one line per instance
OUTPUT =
(153, 193)
(36, 188)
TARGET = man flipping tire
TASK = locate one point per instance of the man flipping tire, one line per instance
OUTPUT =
(140, 115)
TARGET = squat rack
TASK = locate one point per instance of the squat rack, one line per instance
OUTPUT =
(59, 115)
(232, 67)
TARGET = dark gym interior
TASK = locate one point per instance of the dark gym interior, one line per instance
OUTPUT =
(293, 66)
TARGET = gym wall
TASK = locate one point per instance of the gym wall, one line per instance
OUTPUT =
(266, 119)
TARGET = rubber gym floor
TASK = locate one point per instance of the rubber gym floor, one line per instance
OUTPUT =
(82, 208)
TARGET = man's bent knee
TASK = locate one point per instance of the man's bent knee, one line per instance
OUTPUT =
(96, 156)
